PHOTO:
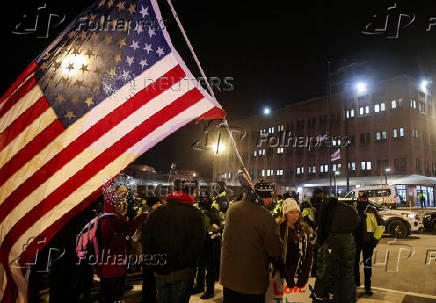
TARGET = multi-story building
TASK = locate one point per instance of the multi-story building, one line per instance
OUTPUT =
(388, 128)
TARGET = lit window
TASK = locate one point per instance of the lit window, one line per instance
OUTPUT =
(394, 104)
(334, 167)
(298, 171)
(263, 173)
(280, 150)
(347, 115)
(382, 107)
(352, 113)
(263, 151)
(414, 104)
(339, 166)
(376, 108)
(302, 169)
(362, 165)
(321, 168)
(377, 136)
(326, 168)
(361, 110)
(395, 133)
(400, 102)
(334, 142)
(314, 169)
(353, 166)
(401, 132)
(255, 153)
(310, 169)
(367, 109)
(368, 165)
(384, 135)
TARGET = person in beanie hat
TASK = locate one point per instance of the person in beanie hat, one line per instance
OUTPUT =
(176, 233)
(298, 256)
(251, 241)
(264, 190)
(115, 230)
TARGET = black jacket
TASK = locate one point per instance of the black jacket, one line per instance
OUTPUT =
(174, 234)
(361, 235)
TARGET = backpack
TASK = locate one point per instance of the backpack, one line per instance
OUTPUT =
(87, 243)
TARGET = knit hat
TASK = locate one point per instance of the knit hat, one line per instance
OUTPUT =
(263, 189)
(290, 204)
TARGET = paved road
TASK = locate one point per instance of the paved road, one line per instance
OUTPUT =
(404, 272)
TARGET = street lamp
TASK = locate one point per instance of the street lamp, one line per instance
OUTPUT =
(336, 184)
(386, 175)
(361, 87)
(266, 111)
(424, 84)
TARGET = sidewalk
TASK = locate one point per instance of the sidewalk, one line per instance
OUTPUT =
(380, 296)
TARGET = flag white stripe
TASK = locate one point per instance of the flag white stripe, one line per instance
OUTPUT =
(27, 135)
(20, 107)
(90, 153)
(15, 90)
(83, 124)
(109, 171)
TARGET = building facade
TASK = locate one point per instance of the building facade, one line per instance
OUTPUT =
(383, 130)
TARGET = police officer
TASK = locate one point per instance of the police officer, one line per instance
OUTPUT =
(366, 239)
(209, 259)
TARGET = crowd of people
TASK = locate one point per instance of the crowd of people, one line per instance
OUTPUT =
(190, 239)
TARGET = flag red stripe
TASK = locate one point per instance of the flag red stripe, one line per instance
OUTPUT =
(92, 168)
(28, 71)
(38, 243)
(24, 120)
(213, 113)
(25, 154)
(86, 139)
(22, 91)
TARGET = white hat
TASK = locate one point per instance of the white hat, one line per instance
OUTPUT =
(290, 204)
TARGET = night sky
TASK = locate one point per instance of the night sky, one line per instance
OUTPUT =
(275, 51)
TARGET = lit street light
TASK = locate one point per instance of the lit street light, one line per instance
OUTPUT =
(386, 175)
(266, 111)
(424, 84)
(361, 87)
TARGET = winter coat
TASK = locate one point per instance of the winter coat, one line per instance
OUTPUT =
(175, 233)
(336, 254)
(115, 231)
(251, 240)
(298, 255)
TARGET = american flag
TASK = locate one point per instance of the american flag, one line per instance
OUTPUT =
(336, 155)
(109, 88)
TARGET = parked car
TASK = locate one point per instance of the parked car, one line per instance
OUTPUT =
(381, 194)
(398, 223)
(429, 221)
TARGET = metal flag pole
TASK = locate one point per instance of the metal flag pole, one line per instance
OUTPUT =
(209, 88)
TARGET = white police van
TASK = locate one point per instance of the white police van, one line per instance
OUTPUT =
(380, 194)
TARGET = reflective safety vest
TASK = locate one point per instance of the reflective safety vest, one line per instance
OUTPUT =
(372, 225)
(309, 212)
(278, 208)
(215, 204)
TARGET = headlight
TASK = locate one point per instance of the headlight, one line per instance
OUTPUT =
(413, 216)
